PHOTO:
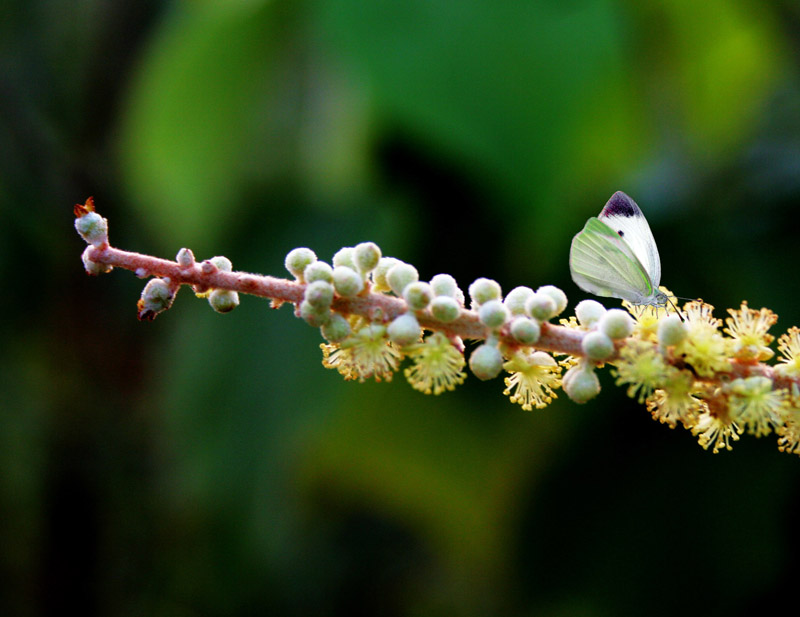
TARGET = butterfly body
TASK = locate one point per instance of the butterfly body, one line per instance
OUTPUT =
(615, 255)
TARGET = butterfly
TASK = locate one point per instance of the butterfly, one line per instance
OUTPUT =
(615, 255)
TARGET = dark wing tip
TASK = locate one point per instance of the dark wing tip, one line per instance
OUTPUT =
(620, 205)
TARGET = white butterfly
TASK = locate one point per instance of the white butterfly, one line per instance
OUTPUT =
(616, 256)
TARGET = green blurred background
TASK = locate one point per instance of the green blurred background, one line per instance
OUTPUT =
(209, 465)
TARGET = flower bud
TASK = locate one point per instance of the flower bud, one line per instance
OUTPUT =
(366, 255)
(319, 294)
(185, 259)
(671, 330)
(445, 309)
(418, 295)
(616, 324)
(525, 330)
(400, 275)
(517, 298)
(541, 306)
(493, 314)
(347, 282)
(297, 260)
(223, 300)
(92, 267)
(482, 290)
(597, 346)
(380, 284)
(223, 263)
(337, 329)
(344, 257)
(318, 271)
(156, 297)
(581, 384)
(404, 330)
(314, 316)
(444, 285)
(486, 362)
(589, 312)
(93, 228)
(558, 296)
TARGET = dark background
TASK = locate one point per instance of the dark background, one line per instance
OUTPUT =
(209, 465)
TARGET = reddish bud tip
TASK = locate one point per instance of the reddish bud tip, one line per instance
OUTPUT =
(81, 209)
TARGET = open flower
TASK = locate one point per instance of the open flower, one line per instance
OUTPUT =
(642, 367)
(534, 377)
(755, 405)
(438, 365)
(365, 354)
(704, 347)
(748, 328)
(676, 401)
(789, 348)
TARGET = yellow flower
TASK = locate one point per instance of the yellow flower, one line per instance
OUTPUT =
(755, 405)
(789, 431)
(789, 348)
(571, 322)
(533, 378)
(647, 316)
(704, 347)
(715, 432)
(438, 365)
(642, 368)
(366, 353)
(748, 328)
(676, 401)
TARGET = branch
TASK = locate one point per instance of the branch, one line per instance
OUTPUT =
(374, 312)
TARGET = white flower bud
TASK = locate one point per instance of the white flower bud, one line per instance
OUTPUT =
(418, 295)
(319, 294)
(344, 257)
(223, 263)
(445, 309)
(223, 300)
(93, 228)
(380, 284)
(558, 296)
(444, 285)
(337, 329)
(313, 315)
(156, 297)
(482, 290)
(580, 383)
(366, 255)
(525, 330)
(318, 271)
(348, 282)
(92, 267)
(297, 260)
(616, 324)
(185, 258)
(404, 330)
(493, 314)
(486, 362)
(597, 346)
(541, 306)
(671, 330)
(517, 298)
(400, 275)
(589, 312)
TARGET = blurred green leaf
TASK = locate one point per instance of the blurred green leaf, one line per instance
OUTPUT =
(200, 91)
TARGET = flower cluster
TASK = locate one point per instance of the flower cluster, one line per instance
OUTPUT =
(378, 318)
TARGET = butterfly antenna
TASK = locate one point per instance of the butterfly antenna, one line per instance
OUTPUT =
(675, 307)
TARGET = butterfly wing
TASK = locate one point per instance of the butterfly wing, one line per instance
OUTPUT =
(603, 264)
(623, 216)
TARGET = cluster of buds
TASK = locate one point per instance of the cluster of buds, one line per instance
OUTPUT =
(375, 314)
